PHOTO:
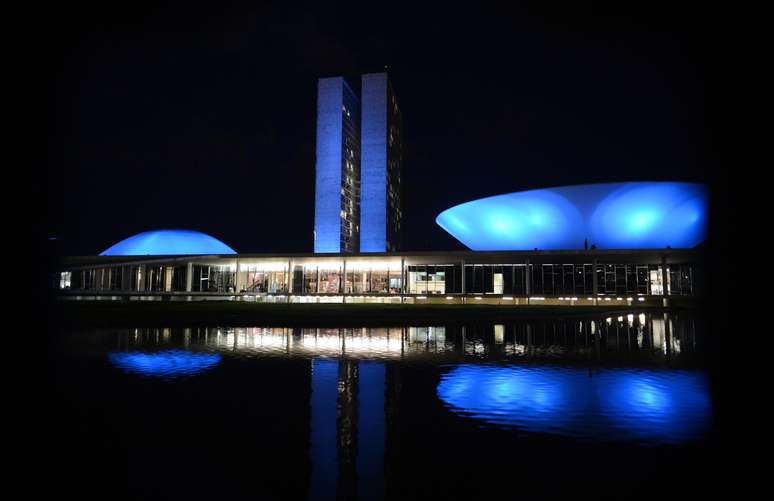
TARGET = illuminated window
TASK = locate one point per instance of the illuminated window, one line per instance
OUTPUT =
(64, 280)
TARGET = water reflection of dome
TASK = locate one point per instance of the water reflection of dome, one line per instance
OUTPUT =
(164, 364)
(168, 242)
(614, 404)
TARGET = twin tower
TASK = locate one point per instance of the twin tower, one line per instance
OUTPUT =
(358, 167)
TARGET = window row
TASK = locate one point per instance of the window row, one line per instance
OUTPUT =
(508, 279)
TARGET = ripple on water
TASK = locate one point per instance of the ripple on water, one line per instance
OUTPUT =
(168, 364)
(647, 406)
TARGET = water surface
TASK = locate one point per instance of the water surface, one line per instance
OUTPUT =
(542, 409)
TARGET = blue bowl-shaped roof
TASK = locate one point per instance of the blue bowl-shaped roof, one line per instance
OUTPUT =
(641, 215)
(168, 242)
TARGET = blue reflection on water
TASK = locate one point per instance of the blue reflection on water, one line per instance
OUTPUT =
(371, 427)
(325, 374)
(664, 406)
(164, 364)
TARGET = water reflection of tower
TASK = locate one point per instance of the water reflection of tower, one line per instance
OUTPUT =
(348, 427)
(346, 423)
(392, 451)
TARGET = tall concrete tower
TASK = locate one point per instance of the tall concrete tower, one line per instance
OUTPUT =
(358, 167)
(337, 168)
(381, 164)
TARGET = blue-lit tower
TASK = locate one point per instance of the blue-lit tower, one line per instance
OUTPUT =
(337, 168)
(382, 159)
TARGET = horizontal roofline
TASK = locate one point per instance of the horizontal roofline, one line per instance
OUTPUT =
(646, 254)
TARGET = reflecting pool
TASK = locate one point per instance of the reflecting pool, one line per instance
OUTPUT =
(610, 405)
(656, 406)
(164, 364)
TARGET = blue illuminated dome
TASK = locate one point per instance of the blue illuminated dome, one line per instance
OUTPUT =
(642, 215)
(168, 242)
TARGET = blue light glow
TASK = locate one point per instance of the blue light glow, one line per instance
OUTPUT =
(653, 215)
(370, 428)
(373, 170)
(611, 216)
(323, 401)
(327, 199)
(615, 404)
(164, 364)
(168, 242)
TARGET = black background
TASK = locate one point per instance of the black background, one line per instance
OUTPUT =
(178, 114)
(198, 116)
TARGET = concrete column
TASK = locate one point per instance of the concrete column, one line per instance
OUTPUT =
(343, 281)
(402, 275)
(664, 281)
(168, 272)
(236, 278)
(189, 277)
(594, 281)
(462, 263)
(528, 279)
(143, 277)
(289, 281)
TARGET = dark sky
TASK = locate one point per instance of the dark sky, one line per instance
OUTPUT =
(203, 117)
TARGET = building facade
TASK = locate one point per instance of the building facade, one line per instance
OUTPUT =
(337, 168)
(359, 157)
(521, 277)
(357, 236)
(382, 162)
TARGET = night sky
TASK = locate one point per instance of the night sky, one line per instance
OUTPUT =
(203, 117)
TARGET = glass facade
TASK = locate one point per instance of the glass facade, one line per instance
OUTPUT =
(434, 279)
(496, 279)
(353, 276)
(326, 279)
(207, 278)
(65, 278)
(263, 279)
